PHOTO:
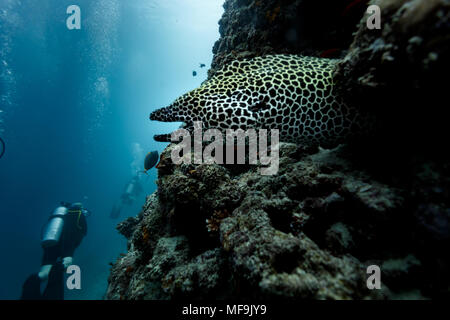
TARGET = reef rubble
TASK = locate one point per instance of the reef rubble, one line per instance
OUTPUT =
(311, 231)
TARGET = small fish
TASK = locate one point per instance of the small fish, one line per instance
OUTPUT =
(202, 65)
(194, 73)
(150, 160)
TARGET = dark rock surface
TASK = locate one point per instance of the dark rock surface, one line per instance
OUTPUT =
(311, 231)
(310, 27)
(399, 71)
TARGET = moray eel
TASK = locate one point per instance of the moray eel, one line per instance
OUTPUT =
(292, 93)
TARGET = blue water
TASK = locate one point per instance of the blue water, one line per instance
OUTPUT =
(74, 108)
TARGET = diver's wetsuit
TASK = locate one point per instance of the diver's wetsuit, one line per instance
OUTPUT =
(75, 228)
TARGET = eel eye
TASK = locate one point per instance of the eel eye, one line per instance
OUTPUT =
(259, 106)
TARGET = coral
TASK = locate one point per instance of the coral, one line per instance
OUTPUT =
(255, 28)
(272, 15)
(308, 232)
(145, 234)
(213, 224)
(312, 230)
(396, 72)
(126, 228)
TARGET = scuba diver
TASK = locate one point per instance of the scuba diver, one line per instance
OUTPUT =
(134, 188)
(62, 234)
(2, 148)
(132, 191)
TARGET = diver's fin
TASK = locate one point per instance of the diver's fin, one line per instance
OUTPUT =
(31, 289)
(55, 286)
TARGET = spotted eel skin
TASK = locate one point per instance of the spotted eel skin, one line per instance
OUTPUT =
(292, 93)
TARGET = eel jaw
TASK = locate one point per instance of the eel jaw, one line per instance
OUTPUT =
(162, 137)
(168, 114)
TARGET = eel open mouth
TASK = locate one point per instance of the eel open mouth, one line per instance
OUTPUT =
(166, 115)
(162, 137)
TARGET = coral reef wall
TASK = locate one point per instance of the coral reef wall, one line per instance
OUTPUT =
(253, 28)
(399, 71)
(311, 230)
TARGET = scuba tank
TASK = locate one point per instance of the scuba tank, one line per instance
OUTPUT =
(130, 188)
(131, 191)
(54, 228)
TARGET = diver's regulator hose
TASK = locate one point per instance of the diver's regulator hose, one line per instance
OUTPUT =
(3, 148)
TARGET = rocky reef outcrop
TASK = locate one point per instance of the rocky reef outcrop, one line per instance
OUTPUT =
(257, 27)
(311, 231)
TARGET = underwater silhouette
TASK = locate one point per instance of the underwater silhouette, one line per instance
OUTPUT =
(3, 148)
(132, 190)
(63, 233)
